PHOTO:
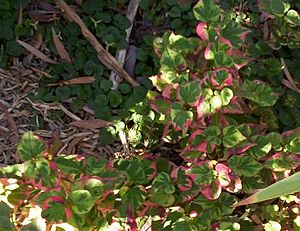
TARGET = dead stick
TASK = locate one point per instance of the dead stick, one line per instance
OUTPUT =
(104, 56)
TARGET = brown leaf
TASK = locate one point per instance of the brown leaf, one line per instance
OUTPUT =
(78, 80)
(60, 48)
(90, 124)
(81, 80)
(36, 52)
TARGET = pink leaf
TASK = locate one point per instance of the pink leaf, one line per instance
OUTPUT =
(201, 30)
(208, 53)
(222, 168)
(212, 191)
(68, 212)
(244, 35)
(131, 220)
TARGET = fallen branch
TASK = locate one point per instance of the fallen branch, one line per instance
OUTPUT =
(121, 54)
(104, 56)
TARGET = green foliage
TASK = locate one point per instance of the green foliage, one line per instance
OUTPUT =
(217, 98)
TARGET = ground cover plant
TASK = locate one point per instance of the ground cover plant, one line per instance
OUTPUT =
(222, 97)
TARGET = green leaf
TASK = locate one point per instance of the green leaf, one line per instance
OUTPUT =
(216, 208)
(115, 98)
(294, 145)
(14, 49)
(182, 44)
(276, 7)
(106, 85)
(30, 146)
(293, 17)
(207, 11)
(203, 174)
(133, 198)
(262, 148)
(103, 112)
(30, 169)
(95, 187)
(69, 164)
(180, 117)
(244, 165)
(232, 136)
(55, 212)
(135, 172)
(226, 95)
(232, 32)
(107, 135)
(121, 21)
(124, 88)
(260, 93)
(163, 182)
(190, 92)
(82, 201)
(101, 100)
(222, 59)
(161, 105)
(43, 167)
(163, 199)
(170, 62)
